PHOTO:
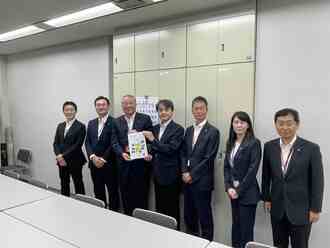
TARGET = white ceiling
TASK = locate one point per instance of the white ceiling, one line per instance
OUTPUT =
(18, 13)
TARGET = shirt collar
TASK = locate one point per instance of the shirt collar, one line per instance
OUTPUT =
(200, 125)
(164, 125)
(69, 123)
(130, 118)
(290, 144)
(104, 118)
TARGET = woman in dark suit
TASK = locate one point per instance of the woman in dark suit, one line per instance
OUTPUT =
(69, 138)
(243, 155)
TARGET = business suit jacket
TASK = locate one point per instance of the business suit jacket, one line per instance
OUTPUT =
(101, 146)
(301, 188)
(246, 164)
(142, 122)
(166, 153)
(201, 157)
(70, 145)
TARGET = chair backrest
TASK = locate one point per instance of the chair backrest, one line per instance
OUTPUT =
(257, 245)
(90, 200)
(12, 174)
(24, 155)
(54, 190)
(156, 218)
(38, 183)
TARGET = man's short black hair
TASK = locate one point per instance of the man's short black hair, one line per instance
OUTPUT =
(102, 98)
(286, 112)
(168, 104)
(199, 99)
(69, 103)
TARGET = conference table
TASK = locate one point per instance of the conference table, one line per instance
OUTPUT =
(85, 225)
(14, 193)
(15, 233)
(34, 217)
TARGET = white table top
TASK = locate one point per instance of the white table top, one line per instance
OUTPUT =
(85, 225)
(14, 193)
(16, 234)
(217, 245)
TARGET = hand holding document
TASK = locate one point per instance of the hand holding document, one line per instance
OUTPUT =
(137, 145)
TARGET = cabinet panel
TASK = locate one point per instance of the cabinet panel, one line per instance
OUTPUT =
(172, 85)
(237, 39)
(147, 51)
(123, 54)
(172, 47)
(123, 84)
(147, 83)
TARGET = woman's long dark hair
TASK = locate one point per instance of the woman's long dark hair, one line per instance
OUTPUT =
(243, 116)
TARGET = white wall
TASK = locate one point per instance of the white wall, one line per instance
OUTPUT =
(4, 118)
(39, 83)
(293, 71)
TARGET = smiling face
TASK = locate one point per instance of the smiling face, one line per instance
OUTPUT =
(102, 107)
(128, 104)
(69, 112)
(286, 126)
(199, 111)
(240, 127)
(165, 114)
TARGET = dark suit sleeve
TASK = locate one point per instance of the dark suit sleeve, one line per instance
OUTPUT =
(108, 152)
(266, 175)
(56, 147)
(172, 146)
(115, 139)
(78, 142)
(88, 141)
(251, 174)
(210, 155)
(227, 173)
(148, 127)
(183, 155)
(316, 180)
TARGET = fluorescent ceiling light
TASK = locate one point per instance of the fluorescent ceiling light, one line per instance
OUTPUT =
(84, 15)
(19, 33)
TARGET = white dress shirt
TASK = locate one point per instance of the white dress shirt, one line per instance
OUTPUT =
(130, 121)
(101, 123)
(68, 124)
(197, 130)
(286, 153)
(233, 153)
(162, 128)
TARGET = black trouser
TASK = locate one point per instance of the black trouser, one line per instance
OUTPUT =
(197, 210)
(106, 177)
(168, 199)
(283, 229)
(243, 219)
(76, 173)
(133, 185)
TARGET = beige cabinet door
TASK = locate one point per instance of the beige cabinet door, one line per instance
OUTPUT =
(236, 93)
(173, 47)
(202, 81)
(203, 43)
(123, 54)
(123, 84)
(147, 83)
(237, 39)
(172, 86)
(147, 51)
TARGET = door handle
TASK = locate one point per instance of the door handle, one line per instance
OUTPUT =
(222, 47)
(163, 54)
(116, 61)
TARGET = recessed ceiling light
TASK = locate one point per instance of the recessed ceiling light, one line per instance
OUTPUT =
(84, 15)
(19, 33)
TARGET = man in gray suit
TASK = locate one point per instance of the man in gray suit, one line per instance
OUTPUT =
(292, 182)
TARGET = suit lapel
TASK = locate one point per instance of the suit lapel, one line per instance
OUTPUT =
(190, 136)
(200, 136)
(297, 146)
(156, 131)
(167, 131)
(70, 129)
(61, 131)
(239, 151)
(123, 123)
(278, 155)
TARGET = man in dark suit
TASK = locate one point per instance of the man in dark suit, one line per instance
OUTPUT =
(69, 138)
(102, 162)
(292, 182)
(199, 150)
(166, 140)
(134, 175)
